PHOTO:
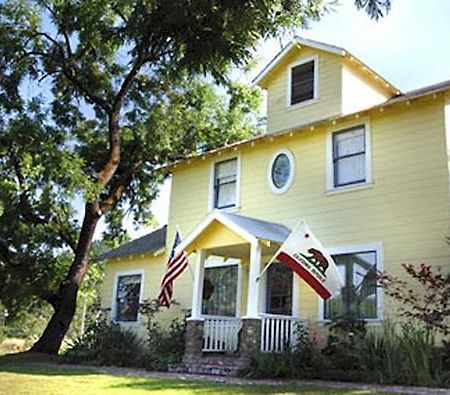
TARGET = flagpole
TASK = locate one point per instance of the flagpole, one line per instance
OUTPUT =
(189, 265)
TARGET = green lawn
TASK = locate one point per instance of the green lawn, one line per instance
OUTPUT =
(26, 378)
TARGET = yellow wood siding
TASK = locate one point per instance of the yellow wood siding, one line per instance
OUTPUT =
(282, 117)
(154, 268)
(406, 208)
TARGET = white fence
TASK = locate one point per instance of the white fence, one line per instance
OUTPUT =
(221, 334)
(278, 332)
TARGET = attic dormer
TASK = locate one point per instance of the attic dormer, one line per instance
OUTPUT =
(310, 81)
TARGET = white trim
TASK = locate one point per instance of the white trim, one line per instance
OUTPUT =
(297, 41)
(222, 262)
(214, 216)
(197, 291)
(330, 188)
(238, 182)
(254, 286)
(353, 249)
(122, 273)
(291, 177)
(315, 98)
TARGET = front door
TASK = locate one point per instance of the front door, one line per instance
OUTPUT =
(279, 290)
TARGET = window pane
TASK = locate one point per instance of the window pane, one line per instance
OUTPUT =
(226, 195)
(347, 143)
(350, 170)
(279, 290)
(220, 291)
(281, 169)
(358, 297)
(226, 169)
(127, 298)
(302, 80)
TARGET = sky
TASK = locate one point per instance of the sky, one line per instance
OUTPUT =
(410, 47)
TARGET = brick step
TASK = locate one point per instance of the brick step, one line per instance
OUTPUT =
(219, 360)
(210, 364)
(213, 370)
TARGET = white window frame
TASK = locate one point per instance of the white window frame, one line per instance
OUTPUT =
(354, 249)
(368, 157)
(290, 180)
(123, 273)
(217, 261)
(314, 58)
(238, 183)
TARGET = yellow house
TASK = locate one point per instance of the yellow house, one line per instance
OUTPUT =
(365, 165)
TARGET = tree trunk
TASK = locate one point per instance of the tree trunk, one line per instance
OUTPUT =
(65, 300)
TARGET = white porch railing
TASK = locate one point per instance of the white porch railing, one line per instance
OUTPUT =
(221, 334)
(278, 331)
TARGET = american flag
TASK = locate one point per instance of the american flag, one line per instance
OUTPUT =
(175, 266)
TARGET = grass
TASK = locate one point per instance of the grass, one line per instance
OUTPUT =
(19, 376)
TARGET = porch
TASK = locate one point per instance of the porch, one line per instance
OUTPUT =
(233, 312)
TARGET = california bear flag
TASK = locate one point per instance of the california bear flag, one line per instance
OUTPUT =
(304, 254)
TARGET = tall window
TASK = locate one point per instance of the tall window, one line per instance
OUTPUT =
(225, 183)
(279, 290)
(302, 82)
(219, 295)
(127, 297)
(358, 297)
(349, 156)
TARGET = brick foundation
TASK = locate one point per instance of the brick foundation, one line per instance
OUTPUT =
(194, 339)
(250, 337)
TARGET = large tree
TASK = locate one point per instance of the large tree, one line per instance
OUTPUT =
(96, 95)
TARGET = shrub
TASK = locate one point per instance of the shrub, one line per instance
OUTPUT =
(164, 345)
(403, 356)
(346, 334)
(105, 343)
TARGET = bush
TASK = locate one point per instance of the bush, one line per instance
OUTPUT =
(105, 343)
(164, 345)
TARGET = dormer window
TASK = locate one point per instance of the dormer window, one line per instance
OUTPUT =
(302, 82)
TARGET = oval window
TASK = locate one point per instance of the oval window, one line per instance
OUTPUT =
(281, 171)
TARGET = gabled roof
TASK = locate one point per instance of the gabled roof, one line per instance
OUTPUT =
(300, 41)
(250, 229)
(149, 243)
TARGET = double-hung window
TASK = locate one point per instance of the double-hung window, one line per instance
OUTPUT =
(349, 157)
(225, 183)
(359, 298)
(302, 82)
(127, 297)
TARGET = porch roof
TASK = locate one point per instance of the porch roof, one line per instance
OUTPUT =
(263, 230)
(249, 229)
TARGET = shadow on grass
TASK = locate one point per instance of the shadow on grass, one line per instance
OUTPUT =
(208, 387)
(39, 364)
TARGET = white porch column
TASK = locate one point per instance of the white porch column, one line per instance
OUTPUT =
(253, 298)
(198, 285)
(295, 295)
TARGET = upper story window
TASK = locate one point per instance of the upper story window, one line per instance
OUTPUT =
(280, 173)
(127, 297)
(349, 158)
(360, 296)
(225, 183)
(302, 82)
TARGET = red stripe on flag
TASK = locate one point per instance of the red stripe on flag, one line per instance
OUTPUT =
(295, 266)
